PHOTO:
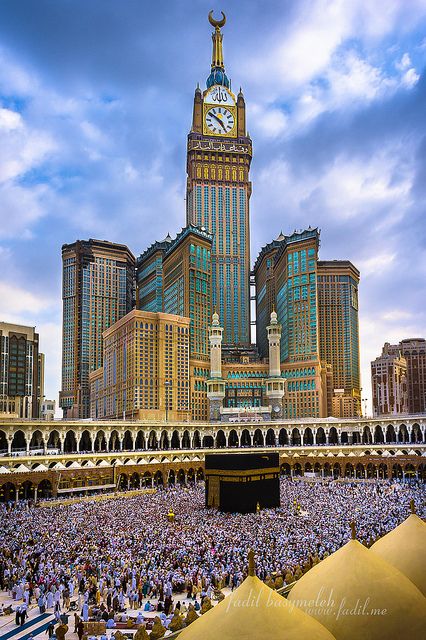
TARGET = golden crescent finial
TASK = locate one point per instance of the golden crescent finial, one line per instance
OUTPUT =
(251, 565)
(217, 23)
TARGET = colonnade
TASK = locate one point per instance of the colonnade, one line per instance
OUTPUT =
(63, 439)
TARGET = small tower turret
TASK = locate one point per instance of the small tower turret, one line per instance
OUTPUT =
(241, 115)
(197, 118)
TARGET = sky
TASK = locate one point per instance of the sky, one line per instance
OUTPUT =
(96, 103)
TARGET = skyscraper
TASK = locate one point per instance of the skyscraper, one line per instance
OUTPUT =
(21, 371)
(149, 276)
(414, 352)
(295, 273)
(263, 272)
(97, 290)
(187, 285)
(174, 276)
(317, 305)
(389, 383)
(339, 332)
(218, 191)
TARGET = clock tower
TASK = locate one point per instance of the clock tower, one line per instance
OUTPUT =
(218, 191)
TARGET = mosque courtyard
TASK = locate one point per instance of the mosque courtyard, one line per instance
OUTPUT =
(117, 558)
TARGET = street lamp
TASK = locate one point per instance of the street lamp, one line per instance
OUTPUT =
(167, 384)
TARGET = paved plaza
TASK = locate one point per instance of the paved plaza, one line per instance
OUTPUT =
(120, 553)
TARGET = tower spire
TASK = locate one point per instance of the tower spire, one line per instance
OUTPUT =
(217, 37)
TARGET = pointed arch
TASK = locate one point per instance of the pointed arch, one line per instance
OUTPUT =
(175, 443)
(114, 441)
(308, 436)
(140, 444)
(85, 443)
(128, 441)
(320, 436)
(37, 441)
(54, 441)
(70, 442)
(296, 439)
(245, 438)
(333, 437)
(258, 438)
(152, 440)
(379, 437)
(270, 438)
(100, 443)
(186, 440)
(164, 440)
(19, 442)
(283, 437)
(220, 439)
(390, 434)
(366, 435)
(233, 439)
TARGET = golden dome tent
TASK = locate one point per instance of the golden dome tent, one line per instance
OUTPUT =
(255, 612)
(405, 548)
(356, 594)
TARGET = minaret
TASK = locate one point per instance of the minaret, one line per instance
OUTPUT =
(215, 384)
(275, 384)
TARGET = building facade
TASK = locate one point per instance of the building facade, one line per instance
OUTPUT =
(21, 371)
(389, 383)
(218, 191)
(339, 333)
(317, 306)
(244, 390)
(149, 276)
(414, 352)
(174, 276)
(146, 369)
(97, 290)
(295, 274)
(48, 408)
(263, 273)
(187, 285)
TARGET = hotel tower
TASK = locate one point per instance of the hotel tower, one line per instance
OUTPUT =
(219, 189)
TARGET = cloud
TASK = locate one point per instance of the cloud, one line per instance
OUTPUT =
(9, 120)
(267, 121)
(376, 265)
(14, 301)
(397, 315)
(22, 149)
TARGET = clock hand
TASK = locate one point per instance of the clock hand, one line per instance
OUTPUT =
(220, 121)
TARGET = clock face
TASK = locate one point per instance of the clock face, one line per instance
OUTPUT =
(219, 120)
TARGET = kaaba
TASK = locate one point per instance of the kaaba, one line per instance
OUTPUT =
(242, 483)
